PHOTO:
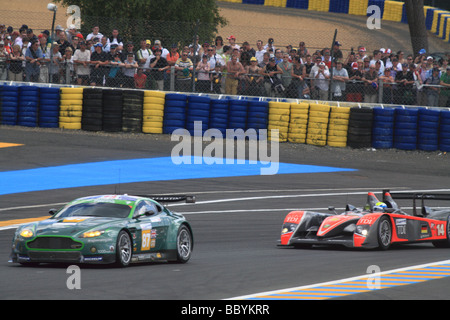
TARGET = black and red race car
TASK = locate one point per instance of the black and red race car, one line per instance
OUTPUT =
(379, 224)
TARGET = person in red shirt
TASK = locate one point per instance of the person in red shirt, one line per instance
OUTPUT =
(140, 79)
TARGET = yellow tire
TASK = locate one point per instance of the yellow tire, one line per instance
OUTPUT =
(154, 94)
(318, 120)
(71, 108)
(152, 119)
(337, 144)
(319, 107)
(316, 142)
(154, 100)
(337, 133)
(153, 112)
(153, 106)
(71, 90)
(337, 139)
(70, 125)
(70, 119)
(70, 113)
(71, 96)
(146, 129)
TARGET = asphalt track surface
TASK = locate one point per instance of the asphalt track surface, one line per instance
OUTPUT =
(236, 221)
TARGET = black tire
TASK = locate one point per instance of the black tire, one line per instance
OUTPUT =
(184, 244)
(444, 243)
(384, 233)
(124, 249)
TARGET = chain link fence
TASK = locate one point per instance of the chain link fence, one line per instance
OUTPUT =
(188, 57)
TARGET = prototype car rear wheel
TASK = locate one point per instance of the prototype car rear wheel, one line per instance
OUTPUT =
(184, 245)
(384, 233)
(124, 249)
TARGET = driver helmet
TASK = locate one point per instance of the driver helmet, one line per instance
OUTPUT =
(379, 207)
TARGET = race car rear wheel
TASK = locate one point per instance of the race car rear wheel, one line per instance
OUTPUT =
(184, 245)
(124, 249)
(384, 233)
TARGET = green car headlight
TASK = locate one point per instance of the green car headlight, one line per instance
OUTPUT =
(92, 234)
(26, 233)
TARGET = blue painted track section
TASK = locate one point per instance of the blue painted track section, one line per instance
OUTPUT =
(139, 170)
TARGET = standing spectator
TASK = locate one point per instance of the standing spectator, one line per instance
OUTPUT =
(337, 53)
(355, 87)
(171, 58)
(158, 66)
(33, 58)
(216, 79)
(433, 89)
(94, 34)
(140, 79)
(405, 81)
(184, 67)
(46, 53)
(8, 45)
(214, 58)
(247, 48)
(129, 70)
(444, 99)
(253, 78)
(286, 67)
(298, 73)
(54, 68)
(421, 92)
(69, 70)
(116, 39)
(371, 84)
(232, 42)
(144, 54)
(164, 51)
(234, 71)
(71, 33)
(130, 49)
(82, 58)
(114, 77)
(388, 83)
(3, 59)
(219, 45)
(259, 52)
(322, 76)
(340, 77)
(99, 59)
(203, 78)
(20, 36)
(63, 43)
(265, 61)
(16, 59)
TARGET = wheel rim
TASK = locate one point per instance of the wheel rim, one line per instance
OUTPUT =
(125, 248)
(184, 244)
(385, 233)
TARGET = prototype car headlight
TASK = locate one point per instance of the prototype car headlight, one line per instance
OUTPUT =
(362, 230)
(288, 227)
(26, 233)
(92, 234)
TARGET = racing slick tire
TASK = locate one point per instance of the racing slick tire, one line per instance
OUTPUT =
(384, 233)
(444, 243)
(184, 244)
(124, 249)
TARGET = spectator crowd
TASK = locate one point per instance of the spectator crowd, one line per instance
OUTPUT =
(381, 76)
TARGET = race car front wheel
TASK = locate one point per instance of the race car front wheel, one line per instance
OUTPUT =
(184, 245)
(123, 249)
(384, 233)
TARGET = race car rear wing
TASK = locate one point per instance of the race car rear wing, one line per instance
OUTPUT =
(170, 198)
(418, 196)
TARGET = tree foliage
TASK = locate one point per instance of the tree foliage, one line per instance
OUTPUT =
(168, 20)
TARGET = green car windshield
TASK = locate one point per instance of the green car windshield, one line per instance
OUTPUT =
(95, 209)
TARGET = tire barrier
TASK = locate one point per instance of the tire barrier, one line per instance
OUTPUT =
(10, 105)
(237, 114)
(405, 132)
(444, 131)
(428, 130)
(49, 102)
(383, 128)
(279, 116)
(360, 128)
(198, 109)
(298, 123)
(318, 124)
(174, 112)
(71, 108)
(218, 114)
(112, 110)
(92, 118)
(28, 106)
(153, 111)
(258, 115)
(132, 119)
(338, 127)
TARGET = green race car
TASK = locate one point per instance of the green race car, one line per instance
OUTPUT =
(107, 229)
